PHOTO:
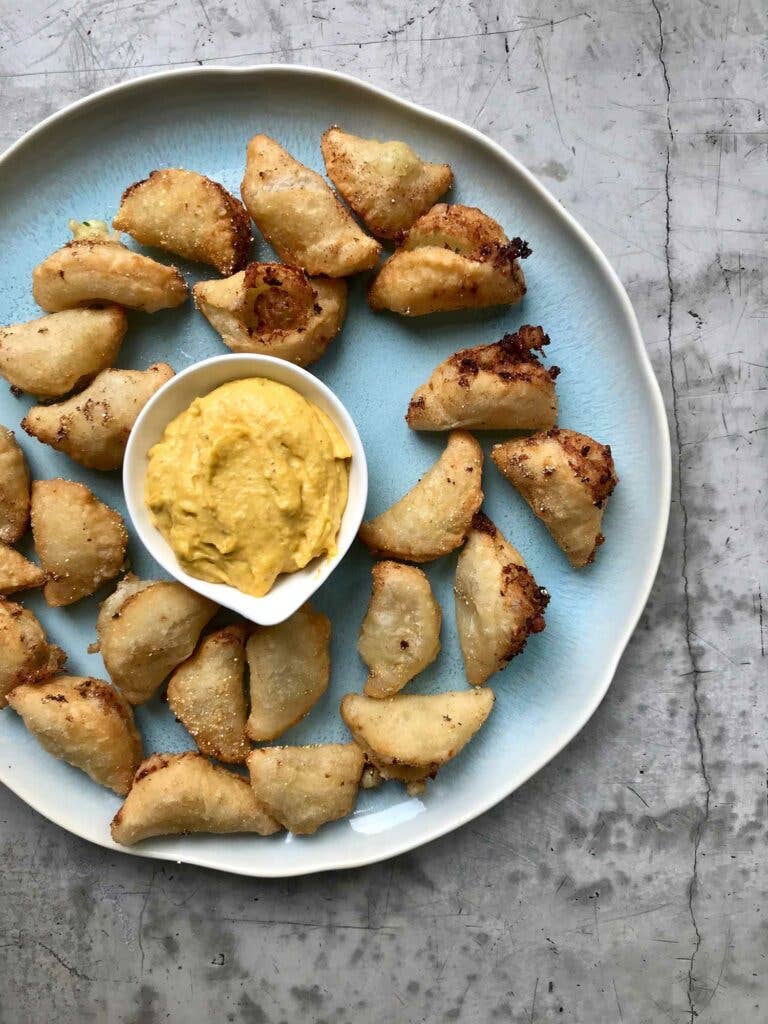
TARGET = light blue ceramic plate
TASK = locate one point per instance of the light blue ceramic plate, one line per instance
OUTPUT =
(77, 163)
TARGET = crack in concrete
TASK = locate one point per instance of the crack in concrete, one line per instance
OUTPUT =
(67, 966)
(695, 669)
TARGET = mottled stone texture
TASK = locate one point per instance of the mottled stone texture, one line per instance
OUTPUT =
(627, 881)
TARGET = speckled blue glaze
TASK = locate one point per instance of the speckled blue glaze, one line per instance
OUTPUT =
(77, 166)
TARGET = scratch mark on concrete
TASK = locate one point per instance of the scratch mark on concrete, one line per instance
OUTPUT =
(723, 962)
(506, 846)
(67, 966)
(140, 932)
(533, 1001)
(618, 1002)
(640, 798)
(389, 889)
(357, 44)
(494, 83)
(549, 88)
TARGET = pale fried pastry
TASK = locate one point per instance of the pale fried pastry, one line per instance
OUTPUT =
(498, 602)
(306, 787)
(85, 722)
(400, 634)
(409, 737)
(299, 215)
(386, 184)
(91, 270)
(174, 794)
(93, 427)
(290, 666)
(434, 516)
(14, 489)
(26, 656)
(145, 629)
(17, 572)
(61, 352)
(79, 540)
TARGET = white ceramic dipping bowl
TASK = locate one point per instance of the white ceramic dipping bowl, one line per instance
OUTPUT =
(290, 590)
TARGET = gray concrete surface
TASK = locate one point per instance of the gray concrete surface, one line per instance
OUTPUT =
(627, 882)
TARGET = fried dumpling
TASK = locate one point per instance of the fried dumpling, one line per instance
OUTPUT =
(400, 634)
(25, 654)
(492, 387)
(79, 540)
(187, 214)
(306, 787)
(434, 516)
(566, 478)
(145, 629)
(84, 722)
(14, 489)
(386, 184)
(498, 602)
(173, 794)
(61, 352)
(93, 427)
(290, 665)
(410, 737)
(91, 270)
(17, 572)
(454, 257)
(299, 215)
(207, 694)
(275, 310)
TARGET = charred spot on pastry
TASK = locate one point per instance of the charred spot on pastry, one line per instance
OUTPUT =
(481, 522)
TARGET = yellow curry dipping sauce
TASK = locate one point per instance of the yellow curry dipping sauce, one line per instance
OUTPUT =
(250, 482)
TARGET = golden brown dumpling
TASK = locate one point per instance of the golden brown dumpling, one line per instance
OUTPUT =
(84, 722)
(207, 694)
(299, 215)
(61, 352)
(174, 794)
(187, 214)
(566, 478)
(275, 310)
(454, 257)
(79, 540)
(14, 489)
(17, 572)
(498, 602)
(93, 427)
(492, 387)
(306, 787)
(386, 184)
(25, 654)
(91, 270)
(434, 516)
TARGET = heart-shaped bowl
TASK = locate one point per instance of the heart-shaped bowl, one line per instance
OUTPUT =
(290, 590)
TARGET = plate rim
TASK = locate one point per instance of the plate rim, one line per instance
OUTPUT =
(653, 389)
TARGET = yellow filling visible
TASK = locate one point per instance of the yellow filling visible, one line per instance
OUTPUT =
(97, 230)
(249, 482)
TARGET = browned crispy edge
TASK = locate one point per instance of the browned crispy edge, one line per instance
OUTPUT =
(239, 221)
